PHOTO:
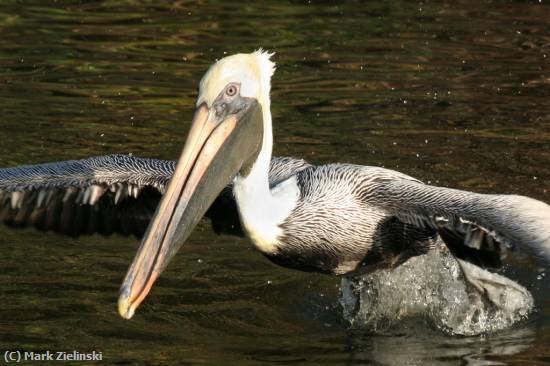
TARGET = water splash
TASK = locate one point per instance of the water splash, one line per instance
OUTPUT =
(454, 296)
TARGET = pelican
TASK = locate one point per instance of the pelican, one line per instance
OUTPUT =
(339, 219)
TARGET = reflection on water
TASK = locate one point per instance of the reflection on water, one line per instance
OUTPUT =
(454, 93)
(433, 349)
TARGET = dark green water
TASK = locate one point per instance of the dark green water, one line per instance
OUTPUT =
(455, 93)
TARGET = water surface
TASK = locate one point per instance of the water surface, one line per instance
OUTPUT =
(454, 93)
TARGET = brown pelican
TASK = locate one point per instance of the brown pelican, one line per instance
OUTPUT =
(338, 218)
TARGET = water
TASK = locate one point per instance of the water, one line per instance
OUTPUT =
(454, 93)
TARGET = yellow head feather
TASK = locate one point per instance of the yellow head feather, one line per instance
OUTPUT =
(252, 70)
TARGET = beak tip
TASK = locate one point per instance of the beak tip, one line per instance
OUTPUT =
(125, 308)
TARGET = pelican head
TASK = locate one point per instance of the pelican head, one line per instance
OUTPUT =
(228, 132)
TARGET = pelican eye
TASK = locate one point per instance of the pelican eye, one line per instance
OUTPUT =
(231, 90)
(228, 101)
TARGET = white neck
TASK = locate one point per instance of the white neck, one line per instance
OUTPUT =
(262, 210)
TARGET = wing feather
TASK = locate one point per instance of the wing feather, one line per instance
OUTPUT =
(105, 194)
(471, 222)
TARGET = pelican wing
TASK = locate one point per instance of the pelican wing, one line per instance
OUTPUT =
(105, 194)
(476, 227)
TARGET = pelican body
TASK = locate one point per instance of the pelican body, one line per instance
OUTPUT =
(339, 219)
(336, 218)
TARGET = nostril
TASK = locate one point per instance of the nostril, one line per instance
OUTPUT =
(220, 108)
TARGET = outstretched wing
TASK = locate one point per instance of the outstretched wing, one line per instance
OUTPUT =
(476, 227)
(105, 194)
